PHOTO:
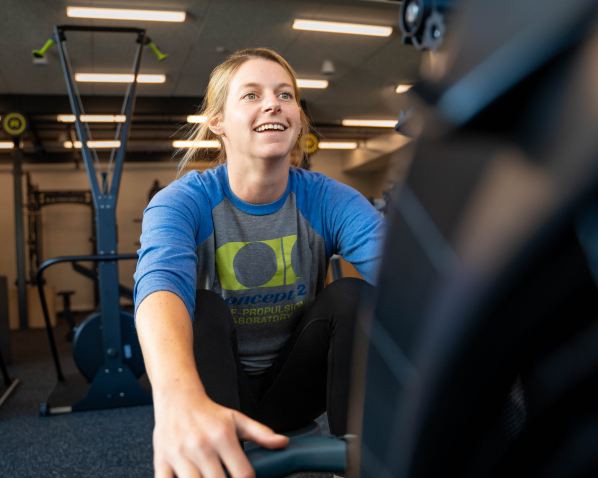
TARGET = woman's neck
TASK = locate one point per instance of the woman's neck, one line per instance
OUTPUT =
(258, 181)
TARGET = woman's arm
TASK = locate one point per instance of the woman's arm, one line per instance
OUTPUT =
(193, 436)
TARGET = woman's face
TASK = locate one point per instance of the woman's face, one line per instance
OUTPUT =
(261, 115)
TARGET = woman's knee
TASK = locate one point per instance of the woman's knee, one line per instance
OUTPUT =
(212, 314)
(345, 293)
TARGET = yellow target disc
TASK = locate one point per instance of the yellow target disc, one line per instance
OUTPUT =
(14, 123)
(309, 144)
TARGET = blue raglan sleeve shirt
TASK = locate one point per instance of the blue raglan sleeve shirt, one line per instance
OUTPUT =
(179, 219)
(167, 259)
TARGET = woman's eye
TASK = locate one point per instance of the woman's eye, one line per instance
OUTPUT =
(250, 96)
(286, 96)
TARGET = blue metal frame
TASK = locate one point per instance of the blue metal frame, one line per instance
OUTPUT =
(104, 198)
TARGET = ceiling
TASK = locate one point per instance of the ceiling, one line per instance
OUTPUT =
(368, 69)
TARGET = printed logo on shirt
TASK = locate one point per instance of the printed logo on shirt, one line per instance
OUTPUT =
(245, 265)
(264, 315)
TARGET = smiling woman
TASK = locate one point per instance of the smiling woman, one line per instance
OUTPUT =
(219, 89)
(239, 334)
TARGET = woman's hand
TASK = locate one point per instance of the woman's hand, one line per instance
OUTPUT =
(194, 437)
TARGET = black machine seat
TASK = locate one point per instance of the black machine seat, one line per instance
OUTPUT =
(480, 360)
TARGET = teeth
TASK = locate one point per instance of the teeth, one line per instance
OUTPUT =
(270, 126)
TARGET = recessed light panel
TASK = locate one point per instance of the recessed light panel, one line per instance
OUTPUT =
(199, 144)
(118, 78)
(403, 88)
(337, 145)
(123, 14)
(334, 27)
(370, 123)
(93, 118)
(93, 144)
(312, 83)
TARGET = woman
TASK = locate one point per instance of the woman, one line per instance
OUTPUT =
(242, 250)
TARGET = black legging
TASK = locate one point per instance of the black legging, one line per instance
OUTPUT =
(311, 374)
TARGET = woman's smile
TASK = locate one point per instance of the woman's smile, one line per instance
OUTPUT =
(271, 128)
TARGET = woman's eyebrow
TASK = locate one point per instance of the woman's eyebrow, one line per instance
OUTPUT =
(250, 85)
(255, 85)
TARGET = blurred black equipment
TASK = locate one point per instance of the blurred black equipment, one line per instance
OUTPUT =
(404, 117)
(9, 383)
(335, 264)
(481, 357)
(422, 23)
(155, 189)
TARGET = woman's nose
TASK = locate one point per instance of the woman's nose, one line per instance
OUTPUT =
(271, 103)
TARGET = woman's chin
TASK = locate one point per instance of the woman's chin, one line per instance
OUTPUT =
(274, 153)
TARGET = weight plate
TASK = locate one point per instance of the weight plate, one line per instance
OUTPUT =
(88, 345)
(14, 124)
(309, 143)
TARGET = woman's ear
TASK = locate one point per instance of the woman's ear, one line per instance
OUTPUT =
(216, 126)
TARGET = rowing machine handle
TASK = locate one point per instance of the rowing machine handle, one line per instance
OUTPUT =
(326, 454)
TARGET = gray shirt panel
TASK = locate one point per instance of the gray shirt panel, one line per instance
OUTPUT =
(265, 267)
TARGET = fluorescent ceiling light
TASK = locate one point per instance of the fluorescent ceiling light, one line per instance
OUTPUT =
(6, 145)
(196, 144)
(93, 118)
(335, 27)
(403, 88)
(93, 144)
(336, 145)
(196, 119)
(312, 83)
(110, 78)
(370, 123)
(122, 14)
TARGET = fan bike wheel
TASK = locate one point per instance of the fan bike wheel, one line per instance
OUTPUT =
(88, 345)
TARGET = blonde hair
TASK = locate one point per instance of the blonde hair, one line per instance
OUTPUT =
(215, 100)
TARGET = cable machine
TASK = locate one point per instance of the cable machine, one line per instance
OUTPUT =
(36, 201)
(106, 348)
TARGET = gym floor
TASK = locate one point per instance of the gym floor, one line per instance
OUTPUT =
(110, 443)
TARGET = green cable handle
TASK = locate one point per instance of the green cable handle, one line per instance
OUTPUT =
(40, 53)
(161, 56)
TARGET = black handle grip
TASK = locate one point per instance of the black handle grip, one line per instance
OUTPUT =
(301, 454)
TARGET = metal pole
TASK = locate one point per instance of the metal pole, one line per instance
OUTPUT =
(124, 133)
(20, 234)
